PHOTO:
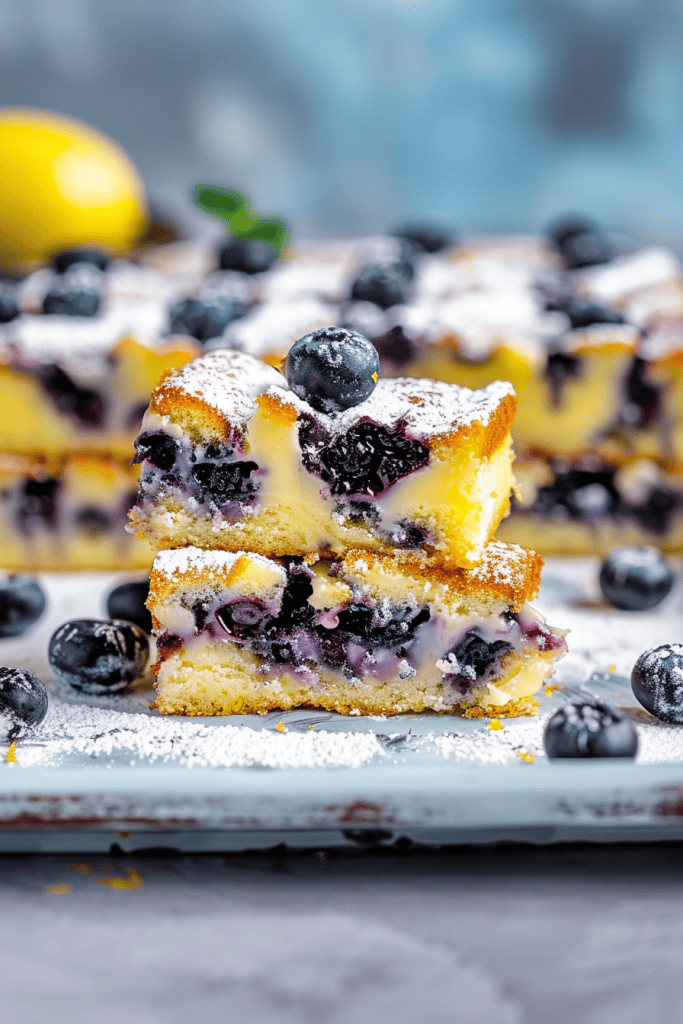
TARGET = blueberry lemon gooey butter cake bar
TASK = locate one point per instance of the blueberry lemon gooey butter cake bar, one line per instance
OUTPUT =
(325, 539)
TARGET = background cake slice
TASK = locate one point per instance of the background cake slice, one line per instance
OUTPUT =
(370, 634)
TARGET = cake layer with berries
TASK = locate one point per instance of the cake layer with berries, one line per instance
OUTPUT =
(591, 505)
(368, 634)
(83, 343)
(68, 513)
(233, 458)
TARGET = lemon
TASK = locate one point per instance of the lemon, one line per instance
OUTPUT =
(63, 184)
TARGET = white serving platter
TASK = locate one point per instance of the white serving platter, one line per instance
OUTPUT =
(103, 773)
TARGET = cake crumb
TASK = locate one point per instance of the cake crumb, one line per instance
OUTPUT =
(612, 668)
(132, 880)
(58, 890)
(495, 724)
(525, 756)
(11, 755)
(81, 869)
(552, 688)
(280, 727)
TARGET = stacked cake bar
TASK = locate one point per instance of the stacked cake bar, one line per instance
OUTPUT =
(334, 554)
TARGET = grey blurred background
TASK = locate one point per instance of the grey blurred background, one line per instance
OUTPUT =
(347, 115)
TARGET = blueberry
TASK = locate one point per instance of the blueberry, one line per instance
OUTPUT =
(381, 283)
(395, 347)
(563, 229)
(472, 658)
(428, 234)
(244, 617)
(581, 243)
(22, 602)
(98, 656)
(66, 259)
(159, 449)
(23, 700)
(85, 404)
(590, 729)
(332, 369)
(127, 601)
(583, 314)
(657, 682)
(204, 320)
(250, 255)
(366, 459)
(635, 578)
(71, 302)
(9, 306)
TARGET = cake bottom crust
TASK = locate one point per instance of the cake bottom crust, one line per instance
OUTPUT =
(219, 679)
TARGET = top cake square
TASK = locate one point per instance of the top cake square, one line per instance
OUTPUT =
(233, 459)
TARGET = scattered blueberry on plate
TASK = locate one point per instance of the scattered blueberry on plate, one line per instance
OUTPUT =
(22, 602)
(97, 656)
(590, 729)
(657, 682)
(634, 579)
(332, 369)
(23, 700)
(127, 601)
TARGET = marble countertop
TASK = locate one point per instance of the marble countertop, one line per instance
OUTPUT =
(511, 935)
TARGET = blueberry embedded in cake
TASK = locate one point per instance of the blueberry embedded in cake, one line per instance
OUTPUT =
(370, 633)
(68, 513)
(233, 458)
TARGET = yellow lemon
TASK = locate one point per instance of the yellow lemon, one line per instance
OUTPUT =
(63, 184)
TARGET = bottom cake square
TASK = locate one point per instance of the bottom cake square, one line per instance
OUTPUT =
(238, 633)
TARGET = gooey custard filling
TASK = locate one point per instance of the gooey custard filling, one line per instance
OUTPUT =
(294, 626)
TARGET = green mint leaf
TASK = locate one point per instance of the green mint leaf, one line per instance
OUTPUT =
(273, 230)
(223, 203)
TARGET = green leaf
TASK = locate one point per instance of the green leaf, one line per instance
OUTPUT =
(273, 230)
(223, 203)
(235, 211)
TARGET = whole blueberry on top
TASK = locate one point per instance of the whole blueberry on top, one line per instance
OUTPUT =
(590, 729)
(69, 257)
(23, 699)
(97, 656)
(427, 234)
(127, 601)
(657, 682)
(250, 255)
(332, 369)
(381, 283)
(22, 602)
(583, 314)
(202, 319)
(634, 579)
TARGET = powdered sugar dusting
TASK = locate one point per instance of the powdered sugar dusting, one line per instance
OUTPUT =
(183, 560)
(230, 382)
(98, 733)
(227, 381)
